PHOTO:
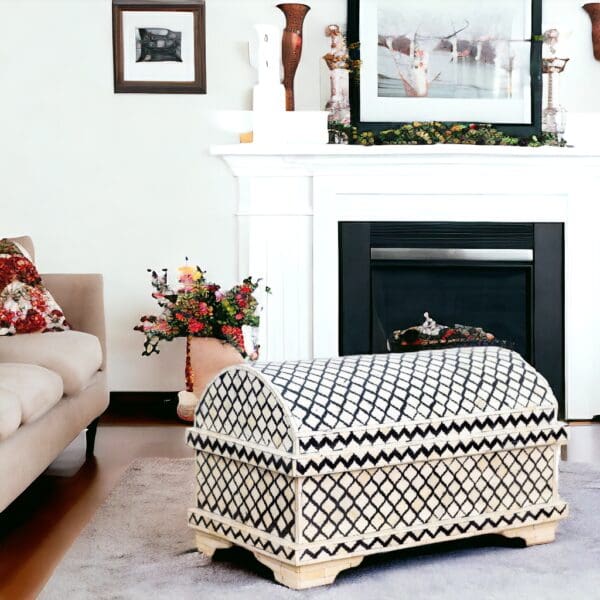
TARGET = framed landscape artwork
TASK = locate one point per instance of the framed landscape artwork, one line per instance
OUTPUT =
(459, 61)
(159, 46)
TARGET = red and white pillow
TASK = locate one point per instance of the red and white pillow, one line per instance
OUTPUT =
(26, 306)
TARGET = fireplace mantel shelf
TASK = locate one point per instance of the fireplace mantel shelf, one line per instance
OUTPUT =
(402, 150)
(263, 160)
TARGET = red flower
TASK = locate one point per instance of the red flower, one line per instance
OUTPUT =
(195, 326)
(246, 289)
(239, 317)
(25, 270)
(6, 317)
(32, 322)
(472, 126)
(235, 336)
(38, 300)
(179, 316)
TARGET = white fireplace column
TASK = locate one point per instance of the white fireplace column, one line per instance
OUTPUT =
(292, 199)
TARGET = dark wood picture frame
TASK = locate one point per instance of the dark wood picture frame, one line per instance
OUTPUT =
(197, 7)
(515, 129)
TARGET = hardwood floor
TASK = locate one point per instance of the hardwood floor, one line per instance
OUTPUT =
(37, 529)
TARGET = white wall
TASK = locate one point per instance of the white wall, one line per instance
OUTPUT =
(116, 183)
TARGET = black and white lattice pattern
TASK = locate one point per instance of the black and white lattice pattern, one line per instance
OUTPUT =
(404, 496)
(256, 497)
(239, 404)
(435, 532)
(364, 391)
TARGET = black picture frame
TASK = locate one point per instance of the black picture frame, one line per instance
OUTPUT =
(514, 129)
(198, 85)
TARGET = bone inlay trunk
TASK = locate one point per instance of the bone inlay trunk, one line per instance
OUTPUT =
(314, 464)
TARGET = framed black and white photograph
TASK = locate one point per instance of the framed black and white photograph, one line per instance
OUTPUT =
(159, 46)
(435, 60)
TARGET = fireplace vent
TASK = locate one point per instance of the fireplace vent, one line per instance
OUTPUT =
(519, 236)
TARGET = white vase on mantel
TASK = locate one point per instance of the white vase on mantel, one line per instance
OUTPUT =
(271, 123)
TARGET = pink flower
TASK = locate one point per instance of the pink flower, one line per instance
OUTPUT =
(219, 295)
(163, 326)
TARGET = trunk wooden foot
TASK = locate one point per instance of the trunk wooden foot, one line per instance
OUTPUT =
(532, 535)
(208, 544)
(307, 576)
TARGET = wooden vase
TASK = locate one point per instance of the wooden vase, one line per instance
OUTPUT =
(291, 46)
(593, 9)
(205, 358)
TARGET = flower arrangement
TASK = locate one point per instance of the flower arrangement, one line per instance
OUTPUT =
(199, 309)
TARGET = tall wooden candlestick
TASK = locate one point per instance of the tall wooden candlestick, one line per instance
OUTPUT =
(291, 46)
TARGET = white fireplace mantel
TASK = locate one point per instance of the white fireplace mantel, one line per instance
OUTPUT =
(259, 160)
(292, 199)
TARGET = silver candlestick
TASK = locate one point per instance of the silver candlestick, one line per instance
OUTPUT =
(554, 116)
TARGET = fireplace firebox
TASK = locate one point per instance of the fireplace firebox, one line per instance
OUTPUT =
(507, 278)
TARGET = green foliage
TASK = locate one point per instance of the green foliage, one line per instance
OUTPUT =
(436, 132)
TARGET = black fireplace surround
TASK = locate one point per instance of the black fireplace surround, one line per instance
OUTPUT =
(507, 278)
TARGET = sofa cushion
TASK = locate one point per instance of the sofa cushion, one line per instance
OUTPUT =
(10, 413)
(25, 304)
(74, 355)
(37, 389)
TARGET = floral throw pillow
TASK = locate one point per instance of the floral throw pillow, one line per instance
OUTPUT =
(26, 306)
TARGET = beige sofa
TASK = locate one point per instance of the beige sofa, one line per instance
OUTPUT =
(52, 385)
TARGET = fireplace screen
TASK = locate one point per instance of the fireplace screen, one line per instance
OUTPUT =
(505, 278)
(495, 297)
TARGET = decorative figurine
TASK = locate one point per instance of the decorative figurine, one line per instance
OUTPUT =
(291, 46)
(338, 61)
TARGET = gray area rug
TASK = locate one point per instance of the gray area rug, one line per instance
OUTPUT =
(139, 546)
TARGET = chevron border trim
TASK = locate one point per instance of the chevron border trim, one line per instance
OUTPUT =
(296, 554)
(371, 459)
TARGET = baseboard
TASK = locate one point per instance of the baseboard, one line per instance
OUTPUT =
(143, 405)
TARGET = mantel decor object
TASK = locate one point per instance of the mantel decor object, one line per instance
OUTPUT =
(451, 62)
(338, 63)
(268, 94)
(291, 46)
(593, 10)
(554, 116)
(159, 46)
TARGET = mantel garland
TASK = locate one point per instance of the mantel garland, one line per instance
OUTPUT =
(435, 132)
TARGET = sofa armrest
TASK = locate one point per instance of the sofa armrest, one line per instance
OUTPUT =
(81, 296)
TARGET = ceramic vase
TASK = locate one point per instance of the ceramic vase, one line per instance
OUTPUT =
(291, 46)
(205, 358)
(593, 9)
